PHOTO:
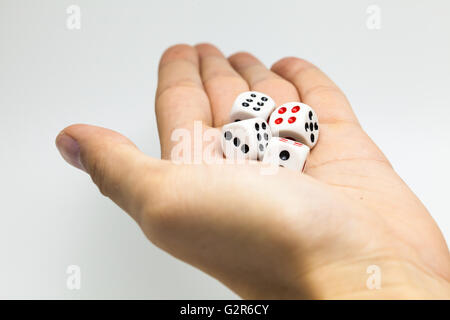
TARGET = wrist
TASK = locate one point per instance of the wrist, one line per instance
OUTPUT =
(377, 279)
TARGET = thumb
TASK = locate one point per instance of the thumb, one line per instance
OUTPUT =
(114, 163)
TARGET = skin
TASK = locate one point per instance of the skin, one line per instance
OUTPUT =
(284, 235)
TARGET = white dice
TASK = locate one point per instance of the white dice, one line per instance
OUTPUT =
(252, 104)
(286, 153)
(296, 121)
(245, 139)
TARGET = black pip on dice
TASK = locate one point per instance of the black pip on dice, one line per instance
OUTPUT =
(294, 125)
(286, 153)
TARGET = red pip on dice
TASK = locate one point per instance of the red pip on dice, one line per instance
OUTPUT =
(259, 130)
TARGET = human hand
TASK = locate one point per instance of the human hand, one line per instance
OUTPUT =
(284, 235)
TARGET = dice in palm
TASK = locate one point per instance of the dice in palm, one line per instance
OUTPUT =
(252, 104)
(296, 121)
(245, 139)
(286, 153)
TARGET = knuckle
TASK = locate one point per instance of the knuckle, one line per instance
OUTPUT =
(272, 82)
(180, 89)
(220, 79)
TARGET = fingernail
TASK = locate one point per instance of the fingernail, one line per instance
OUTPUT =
(69, 149)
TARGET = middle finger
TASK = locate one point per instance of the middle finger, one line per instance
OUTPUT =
(261, 79)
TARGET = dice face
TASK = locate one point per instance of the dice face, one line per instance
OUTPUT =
(252, 104)
(245, 139)
(286, 153)
(296, 121)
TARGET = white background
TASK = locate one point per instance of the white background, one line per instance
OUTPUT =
(52, 216)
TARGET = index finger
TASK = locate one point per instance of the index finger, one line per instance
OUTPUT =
(180, 98)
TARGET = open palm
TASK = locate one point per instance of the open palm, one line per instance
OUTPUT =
(284, 235)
